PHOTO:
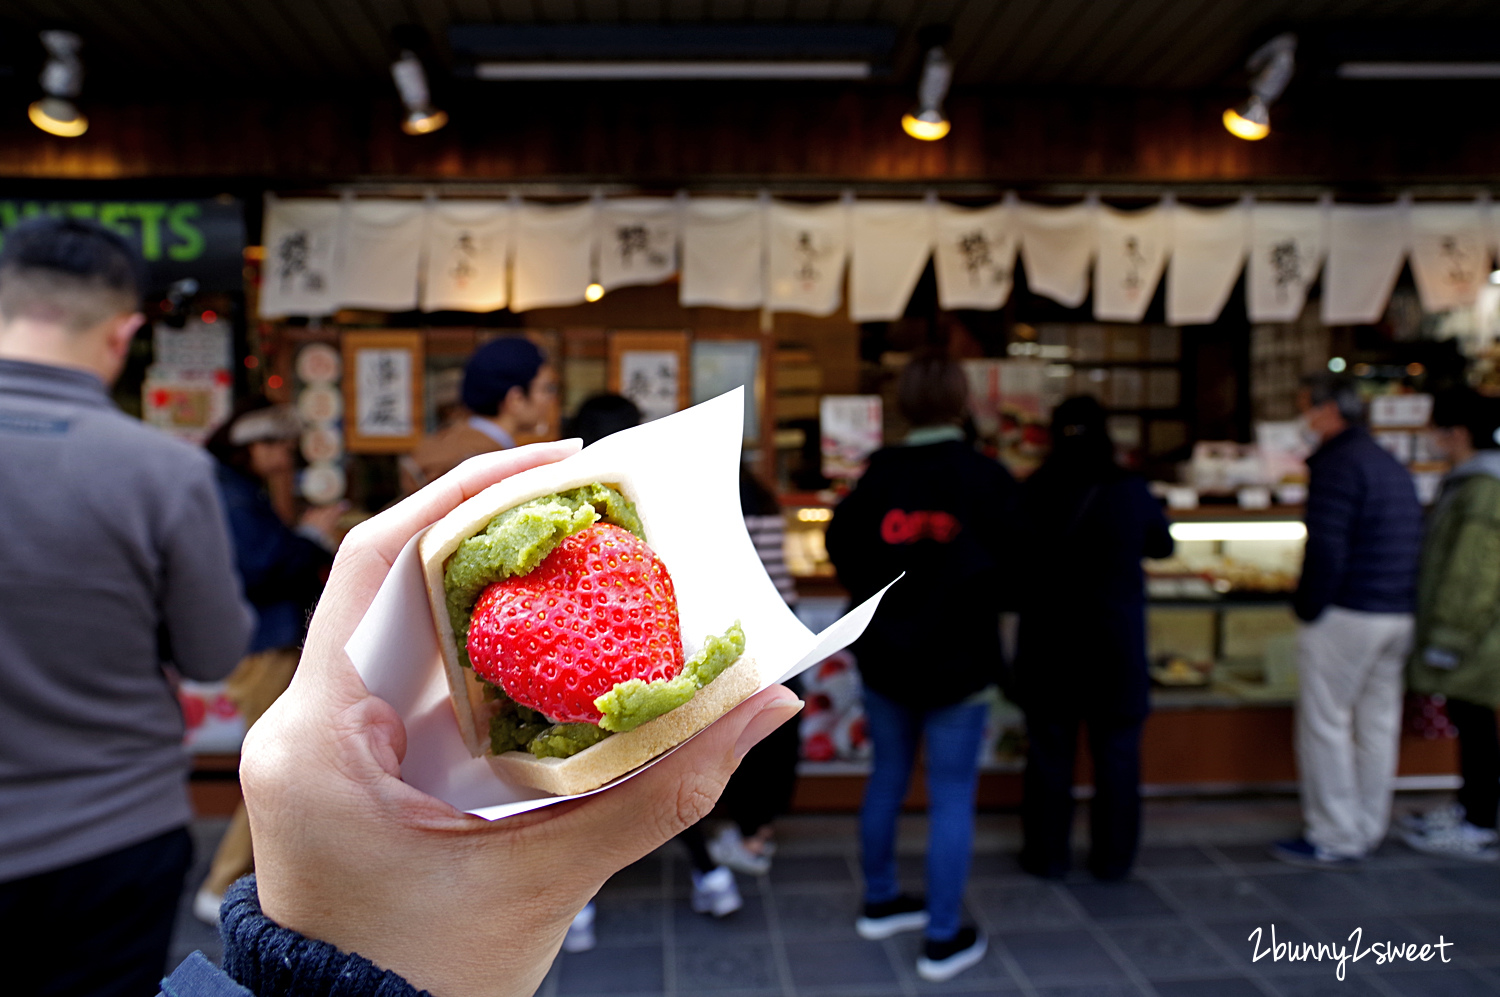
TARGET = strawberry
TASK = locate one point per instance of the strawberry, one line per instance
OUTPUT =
(599, 610)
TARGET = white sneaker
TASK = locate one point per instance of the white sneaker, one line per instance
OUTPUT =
(206, 906)
(728, 849)
(944, 960)
(1463, 841)
(580, 936)
(716, 892)
(1437, 819)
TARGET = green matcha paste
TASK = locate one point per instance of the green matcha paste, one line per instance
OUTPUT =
(514, 543)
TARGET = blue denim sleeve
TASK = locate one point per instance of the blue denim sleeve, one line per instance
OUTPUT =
(197, 977)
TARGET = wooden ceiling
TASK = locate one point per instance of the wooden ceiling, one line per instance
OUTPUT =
(198, 46)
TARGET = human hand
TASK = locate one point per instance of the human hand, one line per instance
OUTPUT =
(347, 853)
(324, 520)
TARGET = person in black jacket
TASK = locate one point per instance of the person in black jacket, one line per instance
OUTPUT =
(1081, 649)
(936, 510)
(1356, 598)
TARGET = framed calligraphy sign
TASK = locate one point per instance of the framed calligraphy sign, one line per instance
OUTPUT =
(383, 375)
(652, 369)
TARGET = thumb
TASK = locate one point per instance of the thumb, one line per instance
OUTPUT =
(624, 823)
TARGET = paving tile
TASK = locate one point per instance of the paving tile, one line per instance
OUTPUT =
(1162, 950)
(1024, 904)
(720, 965)
(626, 970)
(690, 926)
(827, 912)
(1372, 927)
(1061, 956)
(1479, 882)
(995, 865)
(1447, 981)
(1318, 892)
(1325, 985)
(1173, 857)
(1118, 989)
(1229, 986)
(625, 919)
(1253, 855)
(799, 869)
(1113, 901)
(1237, 936)
(839, 962)
(1217, 896)
(1410, 890)
(1474, 935)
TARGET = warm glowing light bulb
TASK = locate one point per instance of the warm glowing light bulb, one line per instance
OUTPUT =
(593, 292)
(1250, 121)
(424, 122)
(928, 127)
(56, 116)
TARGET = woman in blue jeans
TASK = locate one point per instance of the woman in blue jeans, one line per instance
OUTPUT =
(933, 508)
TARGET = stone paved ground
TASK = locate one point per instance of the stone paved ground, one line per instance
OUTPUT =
(1179, 928)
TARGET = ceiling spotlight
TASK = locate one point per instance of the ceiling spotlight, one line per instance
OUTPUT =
(62, 80)
(1273, 64)
(411, 82)
(926, 121)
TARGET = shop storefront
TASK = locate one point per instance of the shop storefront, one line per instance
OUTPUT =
(364, 309)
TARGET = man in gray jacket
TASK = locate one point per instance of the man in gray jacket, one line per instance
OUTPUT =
(115, 572)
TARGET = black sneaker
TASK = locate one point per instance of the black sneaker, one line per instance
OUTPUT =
(905, 913)
(944, 960)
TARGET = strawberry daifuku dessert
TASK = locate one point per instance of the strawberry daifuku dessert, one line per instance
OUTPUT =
(562, 642)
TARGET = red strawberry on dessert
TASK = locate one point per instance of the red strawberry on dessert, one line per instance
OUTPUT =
(599, 610)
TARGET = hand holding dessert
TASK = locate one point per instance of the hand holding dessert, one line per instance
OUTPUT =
(349, 854)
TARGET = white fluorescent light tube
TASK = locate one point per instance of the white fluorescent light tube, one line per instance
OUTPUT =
(1283, 530)
(1419, 70)
(723, 70)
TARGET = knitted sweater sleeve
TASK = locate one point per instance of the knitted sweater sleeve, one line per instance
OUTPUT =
(263, 959)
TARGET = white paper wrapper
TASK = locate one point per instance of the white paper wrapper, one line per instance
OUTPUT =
(684, 472)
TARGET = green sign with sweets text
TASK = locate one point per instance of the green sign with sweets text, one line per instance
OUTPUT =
(203, 238)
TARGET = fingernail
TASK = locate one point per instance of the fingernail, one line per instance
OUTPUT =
(771, 716)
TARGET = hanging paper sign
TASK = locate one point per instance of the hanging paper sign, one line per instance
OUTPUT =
(805, 259)
(300, 272)
(1208, 251)
(851, 429)
(722, 243)
(975, 254)
(1366, 247)
(1056, 247)
(1287, 243)
(1131, 253)
(382, 391)
(889, 245)
(468, 250)
(1450, 254)
(554, 246)
(382, 254)
(637, 241)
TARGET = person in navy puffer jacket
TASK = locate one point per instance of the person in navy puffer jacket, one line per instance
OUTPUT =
(1355, 598)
